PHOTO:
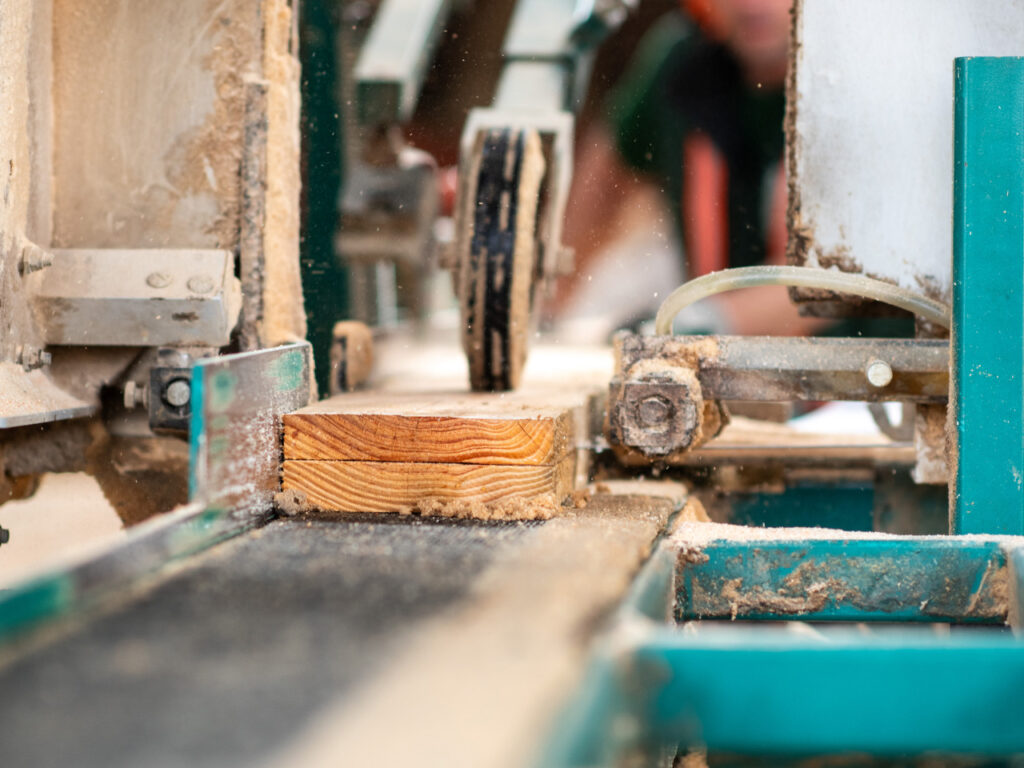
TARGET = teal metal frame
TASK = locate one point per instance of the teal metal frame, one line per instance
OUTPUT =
(987, 396)
(660, 681)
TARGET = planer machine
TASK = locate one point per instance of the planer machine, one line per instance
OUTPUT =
(343, 581)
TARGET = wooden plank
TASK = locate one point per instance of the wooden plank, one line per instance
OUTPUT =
(438, 428)
(381, 486)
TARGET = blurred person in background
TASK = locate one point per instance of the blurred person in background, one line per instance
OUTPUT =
(697, 118)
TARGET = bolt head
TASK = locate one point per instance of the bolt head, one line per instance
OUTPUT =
(177, 393)
(158, 280)
(653, 410)
(200, 284)
(879, 373)
(655, 417)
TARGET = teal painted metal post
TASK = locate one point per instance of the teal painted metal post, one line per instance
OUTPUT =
(987, 395)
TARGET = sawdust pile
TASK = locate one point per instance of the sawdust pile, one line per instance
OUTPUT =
(293, 502)
(542, 507)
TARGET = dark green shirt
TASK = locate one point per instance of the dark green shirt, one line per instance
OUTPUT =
(680, 82)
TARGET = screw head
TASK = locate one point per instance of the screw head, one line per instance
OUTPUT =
(177, 393)
(200, 284)
(158, 280)
(30, 358)
(34, 258)
(879, 373)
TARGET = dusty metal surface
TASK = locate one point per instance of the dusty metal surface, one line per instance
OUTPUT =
(789, 368)
(870, 134)
(937, 579)
(31, 397)
(224, 661)
(147, 297)
(235, 430)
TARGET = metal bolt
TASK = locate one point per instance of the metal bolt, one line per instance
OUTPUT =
(31, 358)
(655, 416)
(135, 395)
(653, 410)
(200, 284)
(158, 280)
(33, 258)
(879, 373)
(177, 393)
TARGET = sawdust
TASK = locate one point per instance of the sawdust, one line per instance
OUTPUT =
(678, 364)
(685, 352)
(760, 601)
(694, 512)
(800, 236)
(140, 477)
(210, 156)
(292, 502)
(996, 597)
(284, 318)
(933, 443)
(694, 758)
(543, 507)
(148, 105)
(579, 499)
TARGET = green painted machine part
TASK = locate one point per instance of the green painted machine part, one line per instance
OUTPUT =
(324, 280)
(988, 296)
(787, 690)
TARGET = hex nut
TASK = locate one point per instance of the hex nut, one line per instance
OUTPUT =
(654, 416)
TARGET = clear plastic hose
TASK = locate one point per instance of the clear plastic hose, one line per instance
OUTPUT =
(801, 277)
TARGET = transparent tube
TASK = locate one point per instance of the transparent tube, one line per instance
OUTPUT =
(801, 277)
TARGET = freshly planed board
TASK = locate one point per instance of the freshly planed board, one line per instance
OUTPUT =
(456, 428)
(381, 486)
(386, 453)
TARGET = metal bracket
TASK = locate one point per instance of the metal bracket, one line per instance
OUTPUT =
(235, 430)
(158, 297)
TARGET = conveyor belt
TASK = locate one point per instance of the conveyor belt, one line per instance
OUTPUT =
(228, 658)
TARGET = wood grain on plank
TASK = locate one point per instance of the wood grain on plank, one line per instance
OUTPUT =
(378, 486)
(455, 428)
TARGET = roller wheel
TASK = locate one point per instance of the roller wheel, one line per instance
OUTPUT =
(498, 269)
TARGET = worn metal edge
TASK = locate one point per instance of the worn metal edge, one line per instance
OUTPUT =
(89, 581)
